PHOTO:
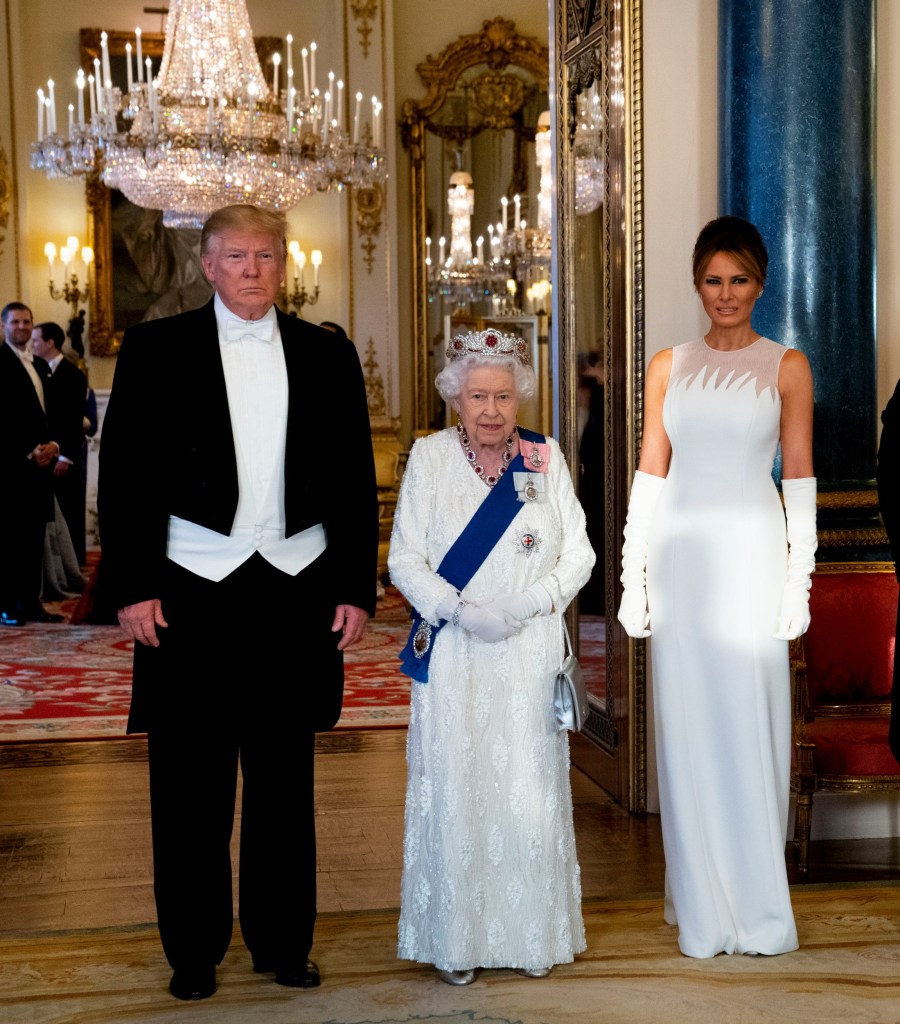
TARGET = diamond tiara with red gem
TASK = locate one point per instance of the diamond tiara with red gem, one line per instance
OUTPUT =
(488, 343)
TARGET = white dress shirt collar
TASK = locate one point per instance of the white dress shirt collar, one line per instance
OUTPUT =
(232, 327)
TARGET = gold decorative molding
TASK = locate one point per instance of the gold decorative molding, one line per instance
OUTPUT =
(364, 12)
(848, 499)
(369, 205)
(374, 382)
(867, 537)
(6, 194)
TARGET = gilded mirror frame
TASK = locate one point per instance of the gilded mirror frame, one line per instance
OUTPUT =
(497, 47)
(597, 43)
(103, 338)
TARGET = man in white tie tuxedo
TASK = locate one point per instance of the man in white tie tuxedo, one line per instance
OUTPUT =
(239, 538)
(27, 454)
(65, 392)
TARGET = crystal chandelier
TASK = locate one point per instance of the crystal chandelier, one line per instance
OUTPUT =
(461, 278)
(588, 153)
(208, 131)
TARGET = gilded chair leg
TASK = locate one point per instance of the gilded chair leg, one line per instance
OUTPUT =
(802, 823)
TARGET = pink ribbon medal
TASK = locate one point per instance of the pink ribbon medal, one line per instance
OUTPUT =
(536, 456)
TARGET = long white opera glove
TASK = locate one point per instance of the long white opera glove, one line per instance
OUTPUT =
(524, 604)
(488, 624)
(633, 614)
(800, 510)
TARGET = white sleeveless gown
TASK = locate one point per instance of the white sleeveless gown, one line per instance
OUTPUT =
(715, 571)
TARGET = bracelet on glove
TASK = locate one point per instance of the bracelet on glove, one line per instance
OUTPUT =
(457, 611)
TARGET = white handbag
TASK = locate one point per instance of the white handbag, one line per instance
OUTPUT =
(570, 700)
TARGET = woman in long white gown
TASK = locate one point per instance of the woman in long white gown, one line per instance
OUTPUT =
(727, 586)
(490, 874)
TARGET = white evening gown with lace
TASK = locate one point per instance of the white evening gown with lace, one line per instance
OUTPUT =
(490, 875)
(721, 689)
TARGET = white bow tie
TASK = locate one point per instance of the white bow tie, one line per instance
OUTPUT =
(260, 330)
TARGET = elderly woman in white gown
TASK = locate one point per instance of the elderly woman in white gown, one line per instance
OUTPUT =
(490, 875)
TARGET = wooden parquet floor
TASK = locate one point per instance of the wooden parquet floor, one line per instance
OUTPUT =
(77, 943)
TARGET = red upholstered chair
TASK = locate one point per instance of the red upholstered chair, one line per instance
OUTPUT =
(841, 676)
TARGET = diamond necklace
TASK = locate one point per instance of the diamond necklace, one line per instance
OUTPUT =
(490, 480)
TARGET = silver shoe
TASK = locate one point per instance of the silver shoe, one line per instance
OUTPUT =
(536, 972)
(457, 977)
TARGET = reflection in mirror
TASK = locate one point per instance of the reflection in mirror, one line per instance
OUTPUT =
(482, 251)
(481, 190)
(598, 368)
(589, 350)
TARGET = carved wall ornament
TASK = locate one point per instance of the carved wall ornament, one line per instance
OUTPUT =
(369, 204)
(364, 12)
(374, 382)
(498, 97)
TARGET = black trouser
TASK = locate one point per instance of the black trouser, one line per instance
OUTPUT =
(247, 670)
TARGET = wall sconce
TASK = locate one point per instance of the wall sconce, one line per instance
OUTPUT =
(298, 296)
(71, 292)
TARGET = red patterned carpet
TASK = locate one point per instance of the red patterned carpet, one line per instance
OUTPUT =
(74, 682)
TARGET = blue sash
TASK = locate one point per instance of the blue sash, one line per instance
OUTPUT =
(466, 555)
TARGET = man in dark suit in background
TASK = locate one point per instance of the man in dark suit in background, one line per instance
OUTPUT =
(66, 394)
(27, 454)
(239, 531)
(887, 473)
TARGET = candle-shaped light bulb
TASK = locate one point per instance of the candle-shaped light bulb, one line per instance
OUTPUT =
(276, 61)
(98, 85)
(289, 47)
(442, 244)
(518, 204)
(87, 255)
(72, 243)
(315, 257)
(312, 66)
(79, 82)
(340, 103)
(294, 250)
(504, 203)
(479, 242)
(104, 54)
(40, 114)
(128, 75)
(301, 262)
(139, 55)
(50, 253)
(304, 57)
(65, 254)
(356, 118)
(51, 108)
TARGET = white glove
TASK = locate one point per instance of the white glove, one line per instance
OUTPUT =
(488, 624)
(800, 510)
(633, 613)
(524, 604)
(448, 606)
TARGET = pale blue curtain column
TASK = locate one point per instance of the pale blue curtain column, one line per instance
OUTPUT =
(797, 157)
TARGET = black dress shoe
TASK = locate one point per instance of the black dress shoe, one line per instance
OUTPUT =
(11, 619)
(193, 982)
(305, 976)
